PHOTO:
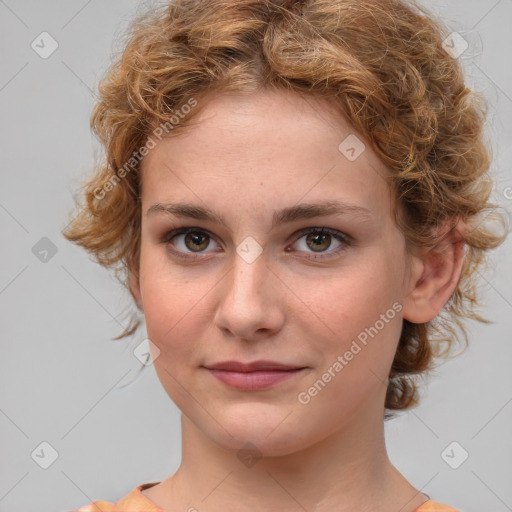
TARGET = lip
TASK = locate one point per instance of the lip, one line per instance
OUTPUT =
(237, 366)
(256, 380)
(254, 376)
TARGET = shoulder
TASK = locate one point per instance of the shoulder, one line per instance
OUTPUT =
(135, 501)
(98, 505)
(435, 506)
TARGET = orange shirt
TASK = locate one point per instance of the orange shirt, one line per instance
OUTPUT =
(137, 502)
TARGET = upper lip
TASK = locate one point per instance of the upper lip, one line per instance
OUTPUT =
(236, 366)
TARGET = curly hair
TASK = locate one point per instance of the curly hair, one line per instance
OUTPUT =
(381, 63)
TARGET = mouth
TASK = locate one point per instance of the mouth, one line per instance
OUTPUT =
(254, 376)
(237, 366)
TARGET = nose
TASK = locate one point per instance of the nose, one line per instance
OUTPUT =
(251, 304)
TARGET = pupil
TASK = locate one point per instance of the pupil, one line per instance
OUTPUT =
(195, 238)
(319, 239)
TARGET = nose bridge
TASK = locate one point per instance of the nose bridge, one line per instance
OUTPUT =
(249, 269)
(248, 281)
(248, 303)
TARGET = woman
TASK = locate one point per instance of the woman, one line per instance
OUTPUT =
(295, 191)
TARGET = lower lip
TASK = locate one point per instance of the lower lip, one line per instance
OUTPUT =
(253, 381)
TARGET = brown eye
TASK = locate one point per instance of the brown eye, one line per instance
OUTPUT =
(196, 241)
(317, 241)
(187, 241)
(190, 243)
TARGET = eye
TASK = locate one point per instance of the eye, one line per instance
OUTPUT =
(187, 239)
(191, 242)
(320, 239)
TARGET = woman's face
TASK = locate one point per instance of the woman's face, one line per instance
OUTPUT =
(261, 285)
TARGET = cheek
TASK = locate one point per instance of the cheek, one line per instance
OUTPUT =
(174, 322)
(355, 311)
(351, 298)
(174, 319)
(173, 306)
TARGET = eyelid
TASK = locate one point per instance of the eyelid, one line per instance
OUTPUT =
(190, 256)
(315, 229)
(342, 237)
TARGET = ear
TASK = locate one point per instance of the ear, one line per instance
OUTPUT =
(134, 287)
(435, 277)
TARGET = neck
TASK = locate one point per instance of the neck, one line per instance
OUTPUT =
(347, 470)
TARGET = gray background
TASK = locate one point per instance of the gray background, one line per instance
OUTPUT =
(60, 374)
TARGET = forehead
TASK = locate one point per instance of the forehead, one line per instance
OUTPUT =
(269, 148)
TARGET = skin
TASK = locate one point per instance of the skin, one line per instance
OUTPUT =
(245, 156)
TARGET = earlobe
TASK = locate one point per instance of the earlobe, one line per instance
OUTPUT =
(134, 287)
(441, 268)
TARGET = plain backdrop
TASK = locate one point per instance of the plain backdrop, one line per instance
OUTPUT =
(62, 403)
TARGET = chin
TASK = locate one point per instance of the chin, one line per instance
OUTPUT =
(259, 437)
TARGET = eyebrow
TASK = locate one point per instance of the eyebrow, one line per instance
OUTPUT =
(286, 215)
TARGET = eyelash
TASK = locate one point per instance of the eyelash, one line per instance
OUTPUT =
(341, 237)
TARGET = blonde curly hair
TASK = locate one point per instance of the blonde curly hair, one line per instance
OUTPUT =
(381, 62)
